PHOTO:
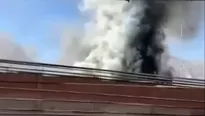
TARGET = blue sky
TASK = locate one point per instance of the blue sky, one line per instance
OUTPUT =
(192, 49)
(31, 23)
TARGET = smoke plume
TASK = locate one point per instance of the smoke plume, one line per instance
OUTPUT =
(12, 51)
(131, 36)
(72, 47)
(106, 37)
(146, 46)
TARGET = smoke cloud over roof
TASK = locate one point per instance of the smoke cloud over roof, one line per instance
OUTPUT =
(115, 24)
(131, 36)
(125, 36)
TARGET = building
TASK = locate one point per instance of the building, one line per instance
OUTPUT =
(34, 89)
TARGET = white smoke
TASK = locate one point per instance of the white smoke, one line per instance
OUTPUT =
(187, 69)
(184, 18)
(72, 47)
(13, 51)
(106, 33)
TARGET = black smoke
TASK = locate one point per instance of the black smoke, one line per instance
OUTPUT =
(147, 44)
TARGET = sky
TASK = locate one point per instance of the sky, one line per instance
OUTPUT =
(38, 24)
